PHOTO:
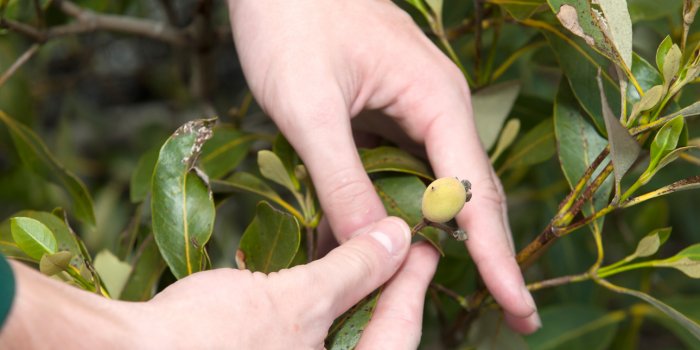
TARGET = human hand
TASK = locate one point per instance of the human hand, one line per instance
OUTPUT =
(237, 309)
(313, 65)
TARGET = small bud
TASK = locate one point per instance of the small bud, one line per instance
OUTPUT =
(444, 198)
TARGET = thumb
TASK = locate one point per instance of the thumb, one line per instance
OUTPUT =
(352, 271)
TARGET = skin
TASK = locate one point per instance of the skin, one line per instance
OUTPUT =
(237, 309)
(315, 65)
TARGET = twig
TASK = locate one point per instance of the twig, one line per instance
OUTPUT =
(23, 29)
(558, 281)
(90, 21)
(21, 60)
(452, 294)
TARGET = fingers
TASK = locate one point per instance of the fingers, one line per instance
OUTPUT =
(455, 150)
(352, 271)
(322, 136)
(436, 110)
(397, 319)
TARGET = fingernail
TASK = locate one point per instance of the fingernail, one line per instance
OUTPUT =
(391, 233)
(535, 320)
(528, 300)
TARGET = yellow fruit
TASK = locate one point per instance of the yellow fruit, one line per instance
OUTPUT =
(444, 198)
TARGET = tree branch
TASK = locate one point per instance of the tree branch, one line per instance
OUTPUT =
(88, 21)
(21, 60)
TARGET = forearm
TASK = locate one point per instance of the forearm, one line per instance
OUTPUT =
(48, 313)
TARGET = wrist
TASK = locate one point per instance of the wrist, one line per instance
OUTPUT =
(46, 312)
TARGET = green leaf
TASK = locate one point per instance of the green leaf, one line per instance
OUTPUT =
(575, 326)
(536, 146)
(687, 261)
(224, 151)
(520, 9)
(690, 325)
(140, 184)
(672, 63)
(394, 159)
(147, 268)
(33, 237)
(665, 141)
(491, 107)
(36, 156)
(402, 196)
(272, 168)
(182, 206)
(113, 272)
(617, 28)
(242, 181)
(651, 243)
(347, 329)
(284, 150)
(508, 135)
(651, 98)
(580, 19)
(578, 144)
(662, 51)
(491, 332)
(271, 240)
(647, 76)
(691, 308)
(624, 149)
(65, 238)
(689, 111)
(580, 66)
(51, 264)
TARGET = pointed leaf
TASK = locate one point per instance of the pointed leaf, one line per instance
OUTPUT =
(182, 206)
(661, 52)
(619, 27)
(672, 63)
(689, 111)
(647, 76)
(580, 66)
(578, 144)
(224, 151)
(113, 272)
(687, 261)
(575, 326)
(272, 168)
(394, 159)
(491, 107)
(536, 146)
(580, 19)
(37, 157)
(289, 157)
(271, 241)
(147, 269)
(402, 196)
(624, 149)
(690, 325)
(650, 244)
(246, 182)
(665, 140)
(508, 135)
(140, 184)
(347, 329)
(651, 98)
(65, 239)
(33, 237)
(51, 264)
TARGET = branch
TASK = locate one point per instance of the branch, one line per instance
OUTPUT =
(88, 21)
(21, 60)
(24, 29)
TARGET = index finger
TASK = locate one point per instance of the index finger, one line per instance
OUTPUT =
(454, 149)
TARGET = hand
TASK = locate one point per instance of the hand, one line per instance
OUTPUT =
(313, 65)
(237, 309)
